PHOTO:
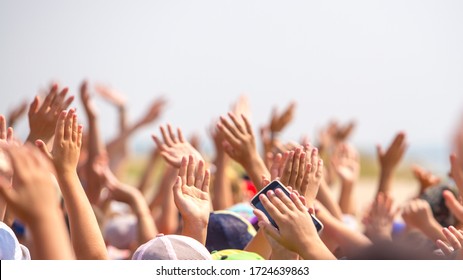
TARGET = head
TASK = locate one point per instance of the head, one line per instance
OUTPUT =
(433, 195)
(228, 230)
(172, 247)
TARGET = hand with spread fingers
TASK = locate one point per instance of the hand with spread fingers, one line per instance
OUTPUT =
(453, 246)
(379, 220)
(175, 147)
(191, 196)
(43, 115)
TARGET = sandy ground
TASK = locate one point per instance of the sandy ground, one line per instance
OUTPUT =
(366, 189)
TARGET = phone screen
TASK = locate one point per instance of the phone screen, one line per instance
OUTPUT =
(273, 186)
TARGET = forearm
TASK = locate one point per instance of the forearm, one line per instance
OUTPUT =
(350, 241)
(51, 240)
(195, 229)
(148, 173)
(325, 197)
(347, 198)
(86, 236)
(255, 168)
(315, 249)
(146, 227)
(433, 231)
(259, 245)
(385, 181)
(223, 197)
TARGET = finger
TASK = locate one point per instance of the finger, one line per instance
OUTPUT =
(66, 103)
(453, 204)
(43, 148)
(172, 135)
(68, 125)
(10, 135)
(80, 130)
(454, 242)
(206, 181)
(274, 169)
(180, 135)
(287, 168)
(296, 201)
(379, 151)
(272, 209)
(228, 135)
(2, 128)
(74, 128)
(285, 199)
(458, 234)
(444, 247)
(295, 167)
(190, 173)
(261, 217)
(247, 124)
(264, 182)
(237, 124)
(199, 175)
(58, 101)
(314, 158)
(34, 106)
(166, 138)
(177, 188)
(60, 126)
(49, 99)
(183, 169)
(230, 128)
(301, 171)
(157, 141)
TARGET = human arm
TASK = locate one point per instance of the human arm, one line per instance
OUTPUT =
(296, 230)
(389, 160)
(191, 196)
(346, 163)
(380, 218)
(240, 145)
(6, 137)
(86, 237)
(417, 214)
(33, 199)
(43, 115)
(175, 147)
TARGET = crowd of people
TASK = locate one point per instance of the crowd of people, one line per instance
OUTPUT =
(64, 193)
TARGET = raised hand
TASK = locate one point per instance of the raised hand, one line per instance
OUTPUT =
(174, 147)
(111, 95)
(154, 111)
(425, 178)
(279, 121)
(301, 169)
(345, 161)
(379, 220)
(296, 230)
(16, 113)
(455, 238)
(43, 115)
(418, 214)
(389, 160)
(240, 145)
(67, 143)
(34, 200)
(191, 196)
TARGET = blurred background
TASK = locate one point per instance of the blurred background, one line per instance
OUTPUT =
(389, 65)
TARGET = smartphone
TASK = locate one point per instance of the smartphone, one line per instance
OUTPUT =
(255, 201)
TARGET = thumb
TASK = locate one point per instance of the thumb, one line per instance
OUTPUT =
(270, 231)
(453, 204)
(43, 148)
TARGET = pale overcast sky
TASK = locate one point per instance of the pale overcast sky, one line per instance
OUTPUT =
(391, 65)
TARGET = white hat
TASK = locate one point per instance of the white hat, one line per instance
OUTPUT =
(10, 249)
